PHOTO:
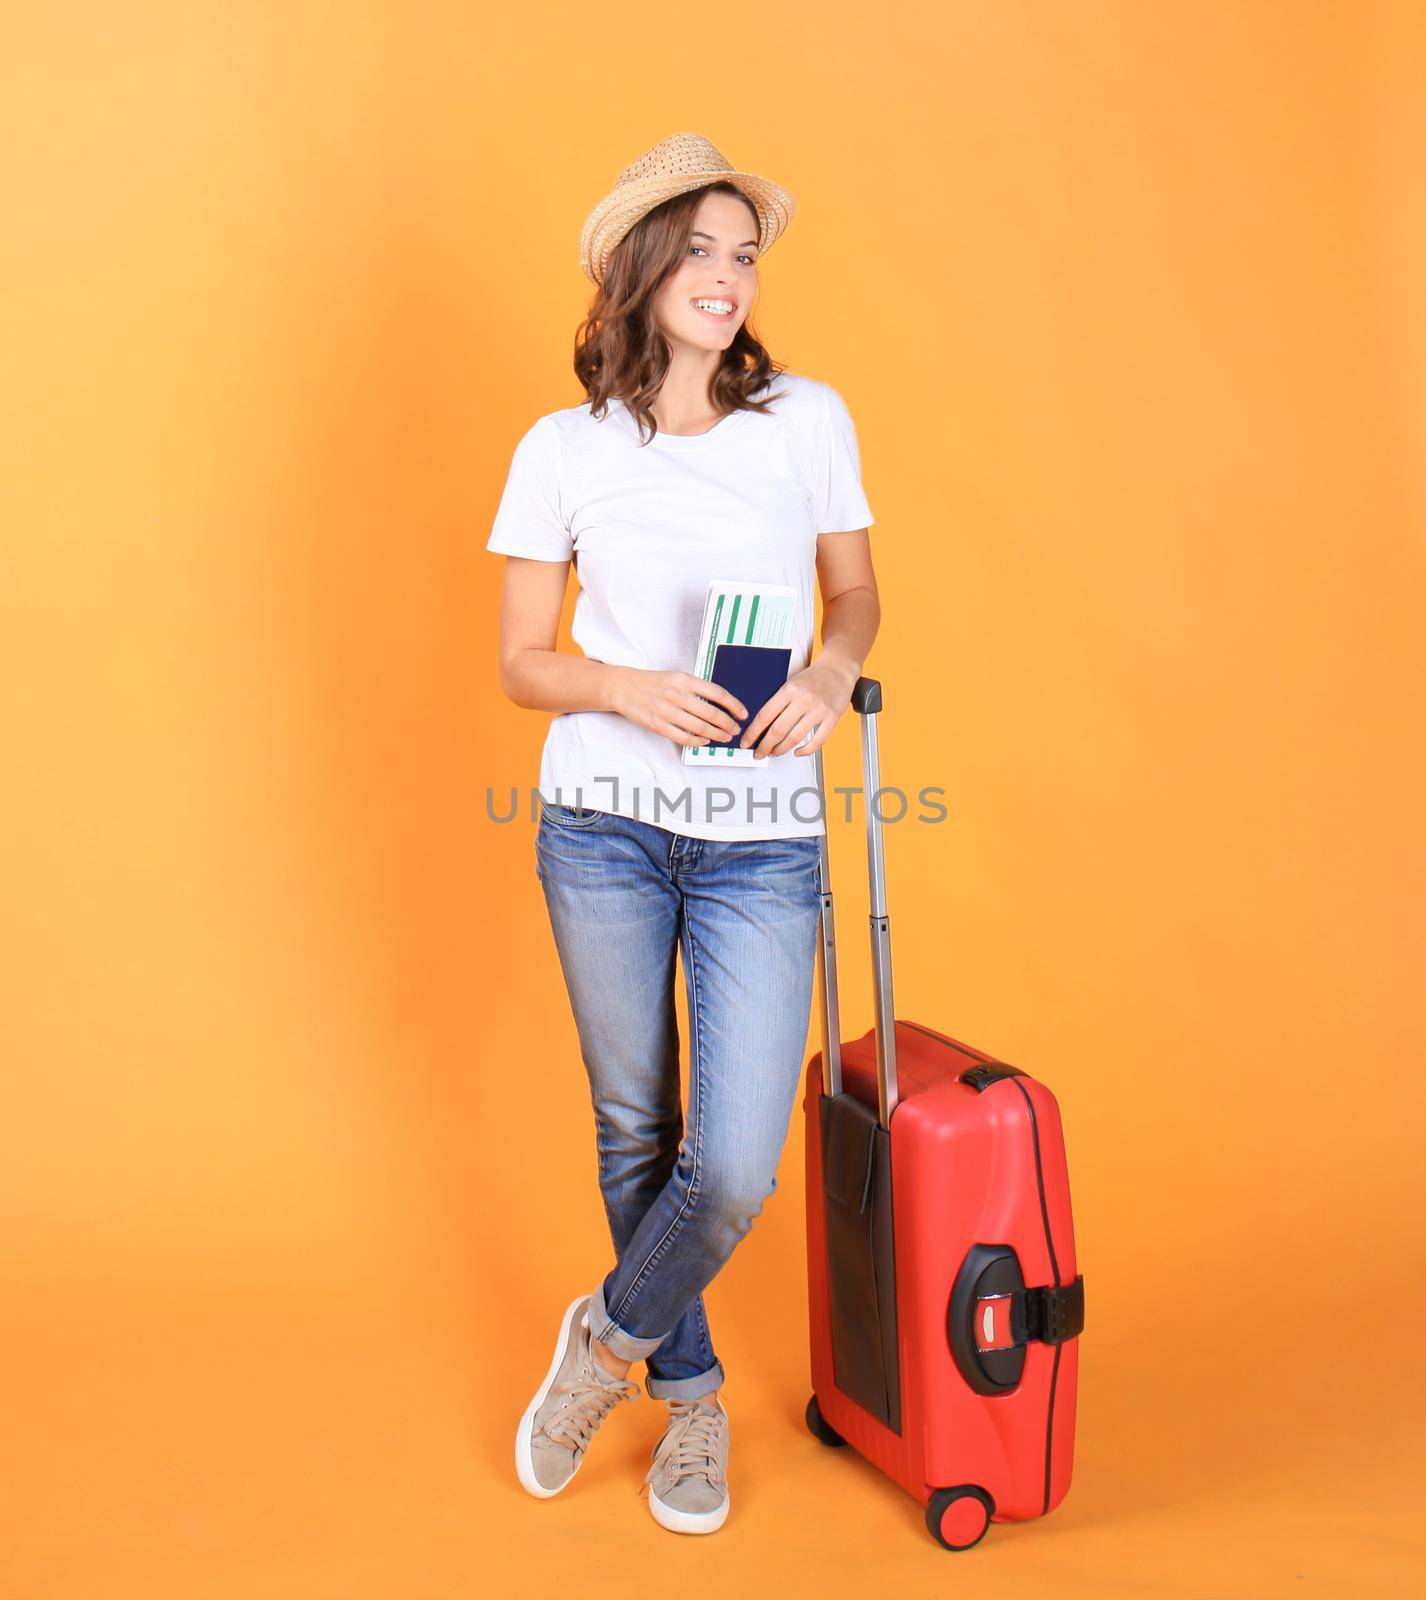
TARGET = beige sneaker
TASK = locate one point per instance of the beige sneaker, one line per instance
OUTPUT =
(575, 1397)
(688, 1481)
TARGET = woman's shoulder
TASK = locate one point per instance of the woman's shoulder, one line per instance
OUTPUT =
(562, 421)
(793, 392)
(576, 426)
(804, 401)
(554, 437)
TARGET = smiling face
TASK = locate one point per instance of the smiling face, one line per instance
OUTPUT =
(720, 265)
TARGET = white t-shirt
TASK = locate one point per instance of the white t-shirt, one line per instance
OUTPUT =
(647, 527)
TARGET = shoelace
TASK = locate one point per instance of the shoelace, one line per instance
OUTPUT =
(690, 1444)
(591, 1400)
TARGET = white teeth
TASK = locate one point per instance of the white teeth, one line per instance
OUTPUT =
(721, 306)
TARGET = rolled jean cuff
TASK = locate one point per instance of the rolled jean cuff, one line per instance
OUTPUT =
(627, 1346)
(685, 1388)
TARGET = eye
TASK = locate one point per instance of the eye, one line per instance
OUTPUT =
(751, 260)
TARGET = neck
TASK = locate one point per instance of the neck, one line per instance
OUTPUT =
(683, 404)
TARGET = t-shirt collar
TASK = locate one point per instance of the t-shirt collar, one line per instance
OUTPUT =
(677, 441)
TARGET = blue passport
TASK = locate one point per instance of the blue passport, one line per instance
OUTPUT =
(753, 672)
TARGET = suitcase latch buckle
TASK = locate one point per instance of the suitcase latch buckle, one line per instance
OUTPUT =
(1052, 1315)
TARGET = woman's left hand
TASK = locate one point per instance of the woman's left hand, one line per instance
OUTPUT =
(811, 699)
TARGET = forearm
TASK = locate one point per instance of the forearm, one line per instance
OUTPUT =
(551, 680)
(849, 624)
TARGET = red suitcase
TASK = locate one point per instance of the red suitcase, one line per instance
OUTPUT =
(944, 1299)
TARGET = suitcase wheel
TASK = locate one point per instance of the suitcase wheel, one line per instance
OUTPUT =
(959, 1517)
(820, 1428)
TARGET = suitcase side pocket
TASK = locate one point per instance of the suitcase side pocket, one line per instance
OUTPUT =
(861, 1261)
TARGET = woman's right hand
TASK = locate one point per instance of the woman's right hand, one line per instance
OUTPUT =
(687, 709)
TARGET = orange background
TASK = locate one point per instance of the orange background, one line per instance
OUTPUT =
(297, 1162)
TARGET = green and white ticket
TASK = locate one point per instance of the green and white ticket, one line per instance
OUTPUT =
(739, 613)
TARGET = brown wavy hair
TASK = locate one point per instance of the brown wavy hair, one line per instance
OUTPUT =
(620, 350)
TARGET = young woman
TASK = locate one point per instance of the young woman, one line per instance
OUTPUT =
(693, 459)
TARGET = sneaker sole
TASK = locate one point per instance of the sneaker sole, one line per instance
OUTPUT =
(524, 1460)
(687, 1521)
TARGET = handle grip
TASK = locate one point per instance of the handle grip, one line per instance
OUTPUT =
(866, 696)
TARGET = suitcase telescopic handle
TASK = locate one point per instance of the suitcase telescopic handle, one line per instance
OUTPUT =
(867, 703)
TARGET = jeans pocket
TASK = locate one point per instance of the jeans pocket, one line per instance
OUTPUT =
(569, 816)
(791, 869)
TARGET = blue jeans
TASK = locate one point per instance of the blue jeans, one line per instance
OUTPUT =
(623, 895)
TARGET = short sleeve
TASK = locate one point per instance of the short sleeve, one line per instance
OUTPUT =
(838, 502)
(530, 520)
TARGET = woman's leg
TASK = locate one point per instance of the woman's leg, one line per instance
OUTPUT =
(749, 929)
(615, 914)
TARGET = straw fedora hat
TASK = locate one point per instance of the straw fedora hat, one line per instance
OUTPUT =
(681, 162)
